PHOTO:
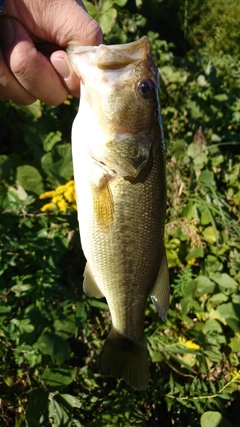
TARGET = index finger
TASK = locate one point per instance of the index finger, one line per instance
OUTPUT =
(29, 66)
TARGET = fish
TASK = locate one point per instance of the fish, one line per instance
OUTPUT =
(119, 171)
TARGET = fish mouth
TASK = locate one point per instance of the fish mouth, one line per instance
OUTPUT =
(113, 56)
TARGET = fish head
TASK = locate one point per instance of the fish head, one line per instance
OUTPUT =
(119, 106)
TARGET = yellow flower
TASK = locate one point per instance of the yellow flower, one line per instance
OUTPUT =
(56, 198)
(62, 204)
(192, 261)
(47, 207)
(68, 100)
(47, 194)
(192, 345)
(188, 343)
(62, 197)
(182, 340)
(235, 373)
(60, 189)
(69, 195)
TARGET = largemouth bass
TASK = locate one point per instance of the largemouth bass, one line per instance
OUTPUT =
(119, 170)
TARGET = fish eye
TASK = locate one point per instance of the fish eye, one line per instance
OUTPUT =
(146, 88)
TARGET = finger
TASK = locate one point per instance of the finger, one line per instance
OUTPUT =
(32, 70)
(57, 21)
(72, 26)
(84, 30)
(60, 62)
(10, 88)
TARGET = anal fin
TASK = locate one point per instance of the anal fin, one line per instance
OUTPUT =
(161, 289)
(90, 286)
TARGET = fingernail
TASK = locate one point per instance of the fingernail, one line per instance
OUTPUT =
(7, 33)
(61, 67)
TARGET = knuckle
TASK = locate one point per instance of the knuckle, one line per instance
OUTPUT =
(94, 33)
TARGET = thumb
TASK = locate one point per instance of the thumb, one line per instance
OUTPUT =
(60, 62)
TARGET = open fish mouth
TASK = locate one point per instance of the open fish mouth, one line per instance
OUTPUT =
(114, 56)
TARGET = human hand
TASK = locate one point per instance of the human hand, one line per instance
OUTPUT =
(32, 66)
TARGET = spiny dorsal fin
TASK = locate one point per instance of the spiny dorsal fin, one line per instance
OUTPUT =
(161, 289)
(90, 286)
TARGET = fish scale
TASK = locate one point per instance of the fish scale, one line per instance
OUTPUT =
(119, 170)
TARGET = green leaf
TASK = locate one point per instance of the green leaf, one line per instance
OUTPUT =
(71, 400)
(212, 325)
(233, 323)
(106, 4)
(209, 235)
(26, 326)
(214, 354)
(92, 10)
(61, 409)
(98, 304)
(195, 253)
(51, 139)
(37, 407)
(57, 378)
(53, 345)
(214, 419)
(225, 282)
(58, 163)
(19, 191)
(205, 218)
(218, 298)
(34, 109)
(194, 109)
(4, 309)
(221, 97)
(29, 177)
(196, 152)
(179, 149)
(21, 289)
(120, 3)
(106, 20)
(229, 310)
(235, 344)
(5, 167)
(66, 327)
(206, 178)
(217, 160)
(204, 285)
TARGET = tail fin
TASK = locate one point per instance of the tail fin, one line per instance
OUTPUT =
(124, 358)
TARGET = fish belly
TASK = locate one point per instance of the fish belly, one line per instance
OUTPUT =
(124, 253)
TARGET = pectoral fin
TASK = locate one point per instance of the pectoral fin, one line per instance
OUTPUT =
(161, 289)
(90, 286)
(103, 203)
